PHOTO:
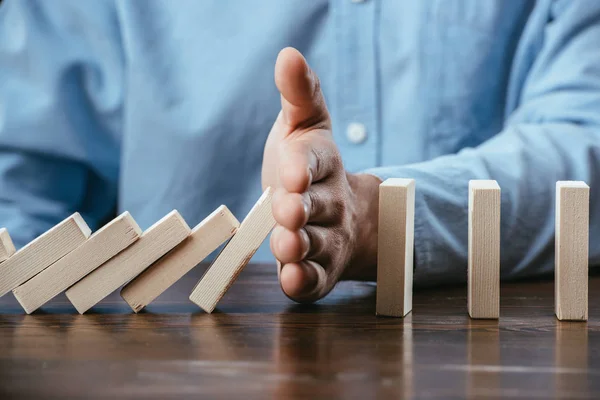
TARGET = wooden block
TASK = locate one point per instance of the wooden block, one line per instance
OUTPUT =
(571, 250)
(155, 242)
(234, 257)
(114, 237)
(209, 234)
(42, 252)
(483, 298)
(395, 247)
(7, 248)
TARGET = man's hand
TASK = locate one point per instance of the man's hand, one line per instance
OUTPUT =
(326, 218)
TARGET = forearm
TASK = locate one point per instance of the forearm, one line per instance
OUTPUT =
(526, 160)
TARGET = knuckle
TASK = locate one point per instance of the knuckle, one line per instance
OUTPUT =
(338, 211)
(336, 158)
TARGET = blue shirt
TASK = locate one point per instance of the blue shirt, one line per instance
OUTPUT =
(152, 105)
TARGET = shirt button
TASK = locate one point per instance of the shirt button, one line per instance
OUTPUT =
(356, 132)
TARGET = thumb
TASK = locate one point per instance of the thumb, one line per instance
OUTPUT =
(302, 102)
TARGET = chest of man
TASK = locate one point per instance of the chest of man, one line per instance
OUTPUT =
(404, 82)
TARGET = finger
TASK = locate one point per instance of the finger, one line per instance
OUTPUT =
(308, 159)
(320, 205)
(289, 209)
(301, 97)
(324, 203)
(289, 246)
(318, 249)
(308, 243)
(303, 282)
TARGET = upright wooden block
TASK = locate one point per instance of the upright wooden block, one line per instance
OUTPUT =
(42, 252)
(484, 249)
(7, 248)
(395, 247)
(234, 257)
(116, 236)
(153, 244)
(571, 250)
(209, 234)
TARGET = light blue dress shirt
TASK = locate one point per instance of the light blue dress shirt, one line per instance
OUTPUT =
(152, 105)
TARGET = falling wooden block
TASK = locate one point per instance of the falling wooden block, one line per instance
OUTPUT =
(571, 250)
(395, 247)
(484, 249)
(7, 248)
(234, 257)
(42, 252)
(155, 242)
(209, 234)
(114, 237)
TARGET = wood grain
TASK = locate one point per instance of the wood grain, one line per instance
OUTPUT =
(571, 250)
(111, 239)
(209, 234)
(275, 348)
(155, 242)
(484, 249)
(234, 257)
(7, 248)
(395, 247)
(42, 252)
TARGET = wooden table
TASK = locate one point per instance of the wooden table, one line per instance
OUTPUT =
(258, 344)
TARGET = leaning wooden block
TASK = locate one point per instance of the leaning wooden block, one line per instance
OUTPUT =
(209, 234)
(234, 257)
(7, 248)
(153, 244)
(483, 297)
(116, 236)
(571, 250)
(42, 252)
(395, 247)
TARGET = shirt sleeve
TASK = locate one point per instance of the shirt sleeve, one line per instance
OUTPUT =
(60, 103)
(554, 134)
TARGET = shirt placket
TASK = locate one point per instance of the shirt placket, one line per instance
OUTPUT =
(356, 125)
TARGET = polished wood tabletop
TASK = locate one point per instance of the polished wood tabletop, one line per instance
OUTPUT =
(259, 344)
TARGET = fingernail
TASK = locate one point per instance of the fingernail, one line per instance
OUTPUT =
(306, 241)
(306, 206)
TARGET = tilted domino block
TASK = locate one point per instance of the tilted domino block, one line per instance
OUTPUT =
(153, 244)
(209, 234)
(571, 250)
(114, 237)
(236, 255)
(7, 248)
(483, 296)
(42, 252)
(395, 247)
